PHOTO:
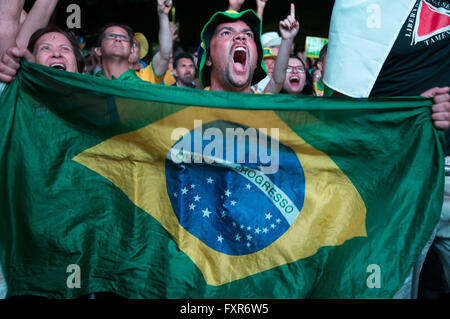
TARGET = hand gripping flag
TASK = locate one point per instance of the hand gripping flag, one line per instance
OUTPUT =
(162, 192)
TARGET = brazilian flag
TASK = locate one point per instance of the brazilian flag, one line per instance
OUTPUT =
(154, 191)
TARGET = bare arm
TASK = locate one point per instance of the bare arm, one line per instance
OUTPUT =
(289, 28)
(37, 18)
(260, 4)
(235, 5)
(10, 11)
(161, 59)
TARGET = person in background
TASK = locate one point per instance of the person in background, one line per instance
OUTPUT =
(16, 26)
(269, 62)
(289, 28)
(319, 71)
(50, 46)
(298, 80)
(271, 40)
(184, 70)
(157, 68)
(140, 51)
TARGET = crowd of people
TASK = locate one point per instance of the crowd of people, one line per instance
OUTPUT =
(121, 53)
(233, 54)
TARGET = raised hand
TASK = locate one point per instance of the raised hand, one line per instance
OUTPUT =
(261, 3)
(10, 62)
(164, 6)
(289, 27)
(235, 4)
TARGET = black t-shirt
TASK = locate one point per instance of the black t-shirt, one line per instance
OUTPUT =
(420, 57)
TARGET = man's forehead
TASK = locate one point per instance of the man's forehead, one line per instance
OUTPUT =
(116, 29)
(238, 25)
(185, 61)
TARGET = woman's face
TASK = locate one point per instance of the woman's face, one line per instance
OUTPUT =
(295, 77)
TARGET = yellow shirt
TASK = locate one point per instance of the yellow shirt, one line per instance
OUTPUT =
(168, 78)
(149, 75)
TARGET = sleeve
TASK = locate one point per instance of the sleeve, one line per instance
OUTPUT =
(149, 75)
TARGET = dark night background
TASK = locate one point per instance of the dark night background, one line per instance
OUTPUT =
(314, 17)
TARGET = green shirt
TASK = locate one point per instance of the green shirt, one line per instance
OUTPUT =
(129, 75)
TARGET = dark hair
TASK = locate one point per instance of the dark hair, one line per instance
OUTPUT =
(322, 53)
(308, 89)
(102, 30)
(182, 55)
(52, 28)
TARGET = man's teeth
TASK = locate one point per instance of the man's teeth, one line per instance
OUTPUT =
(240, 49)
(58, 66)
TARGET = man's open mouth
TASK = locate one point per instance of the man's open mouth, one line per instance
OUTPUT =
(240, 59)
(58, 66)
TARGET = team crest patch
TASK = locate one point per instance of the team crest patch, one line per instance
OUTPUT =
(431, 21)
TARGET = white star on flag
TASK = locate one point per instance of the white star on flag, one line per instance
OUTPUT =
(209, 180)
(206, 212)
(227, 193)
(196, 198)
(191, 206)
(184, 191)
(268, 216)
(219, 238)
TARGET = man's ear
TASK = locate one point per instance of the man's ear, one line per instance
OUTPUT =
(98, 51)
(208, 61)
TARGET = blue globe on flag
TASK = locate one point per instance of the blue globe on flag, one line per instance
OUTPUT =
(227, 200)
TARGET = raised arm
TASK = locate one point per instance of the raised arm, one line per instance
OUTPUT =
(161, 59)
(289, 28)
(235, 5)
(10, 12)
(260, 4)
(37, 18)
